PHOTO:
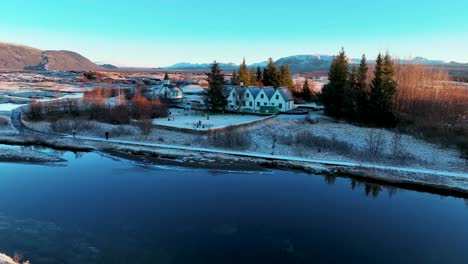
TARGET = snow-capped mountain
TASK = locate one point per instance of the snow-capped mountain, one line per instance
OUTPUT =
(200, 66)
(299, 63)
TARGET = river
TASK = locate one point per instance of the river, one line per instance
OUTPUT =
(96, 208)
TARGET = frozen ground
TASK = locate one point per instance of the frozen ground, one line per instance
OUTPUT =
(188, 120)
(8, 107)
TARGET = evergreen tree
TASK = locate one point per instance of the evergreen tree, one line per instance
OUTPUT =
(335, 95)
(306, 92)
(259, 75)
(360, 96)
(383, 89)
(253, 77)
(244, 77)
(285, 77)
(271, 75)
(235, 78)
(215, 96)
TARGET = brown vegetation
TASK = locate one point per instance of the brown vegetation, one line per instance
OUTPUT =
(429, 105)
(231, 138)
(95, 107)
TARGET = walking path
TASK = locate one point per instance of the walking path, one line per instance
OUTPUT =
(18, 124)
(274, 157)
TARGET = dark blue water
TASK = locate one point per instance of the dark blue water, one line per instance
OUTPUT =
(96, 209)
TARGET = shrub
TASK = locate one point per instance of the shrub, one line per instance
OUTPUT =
(118, 131)
(375, 145)
(4, 121)
(145, 126)
(230, 138)
(310, 140)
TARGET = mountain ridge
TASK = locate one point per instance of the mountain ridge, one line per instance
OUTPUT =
(21, 57)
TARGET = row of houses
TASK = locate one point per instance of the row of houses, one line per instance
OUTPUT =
(260, 99)
(240, 98)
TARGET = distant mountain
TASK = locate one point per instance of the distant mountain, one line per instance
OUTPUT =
(307, 63)
(301, 63)
(108, 66)
(200, 66)
(19, 57)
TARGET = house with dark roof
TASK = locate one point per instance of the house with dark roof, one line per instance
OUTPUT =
(253, 99)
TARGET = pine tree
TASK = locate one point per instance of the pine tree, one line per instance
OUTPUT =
(235, 78)
(271, 75)
(259, 75)
(285, 77)
(383, 89)
(306, 92)
(253, 77)
(244, 77)
(360, 96)
(215, 96)
(334, 94)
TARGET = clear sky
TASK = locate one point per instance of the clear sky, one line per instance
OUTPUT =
(160, 33)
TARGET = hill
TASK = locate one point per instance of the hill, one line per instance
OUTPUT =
(19, 57)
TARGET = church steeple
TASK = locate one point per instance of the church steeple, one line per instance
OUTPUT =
(167, 80)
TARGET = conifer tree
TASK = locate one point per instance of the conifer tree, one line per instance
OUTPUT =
(360, 95)
(334, 94)
(259, 75)
(253, 77)
(244, 76)
(215, 96)
(235, 78)
(285, 77)
(306, 92)
(271, 75)
(383, 89)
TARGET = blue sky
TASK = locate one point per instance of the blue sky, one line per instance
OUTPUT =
(160, 33)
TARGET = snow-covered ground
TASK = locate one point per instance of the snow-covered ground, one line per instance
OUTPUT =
(188, 120)
(8, 107)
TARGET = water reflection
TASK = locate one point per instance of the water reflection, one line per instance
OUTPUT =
(45, 242)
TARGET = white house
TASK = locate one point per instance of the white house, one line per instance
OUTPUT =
(256, 99)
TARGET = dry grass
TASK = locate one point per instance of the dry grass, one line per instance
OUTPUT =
(430, 106)
(230, 138)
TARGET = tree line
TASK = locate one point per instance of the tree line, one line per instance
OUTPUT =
(269, 76)
(347, 95)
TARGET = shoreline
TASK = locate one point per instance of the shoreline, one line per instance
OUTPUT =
(431, 183)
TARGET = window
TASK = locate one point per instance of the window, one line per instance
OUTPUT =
(258, 104)
(261, 96)
(244, 103)
(265, 104)
(280, 106)
(250, 103)
(277, 96)
(273, 104)
(247, 95)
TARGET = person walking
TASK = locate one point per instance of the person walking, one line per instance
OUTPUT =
(74, 133)
(107, 135)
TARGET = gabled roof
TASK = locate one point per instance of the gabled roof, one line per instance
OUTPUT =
(269, 91)
(254, 91)
(286, 94)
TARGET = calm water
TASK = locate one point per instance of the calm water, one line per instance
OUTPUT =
(97, 209)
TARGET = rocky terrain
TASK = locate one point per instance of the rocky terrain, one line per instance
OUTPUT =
(19, 57)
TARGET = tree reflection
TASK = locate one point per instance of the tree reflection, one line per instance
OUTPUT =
(330, 179)
(373, 189)
(78, 155)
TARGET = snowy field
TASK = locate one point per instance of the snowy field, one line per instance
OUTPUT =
(188, 120)
(8, 107)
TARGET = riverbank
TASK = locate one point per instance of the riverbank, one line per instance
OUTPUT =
(339, 149)
(440, 182)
